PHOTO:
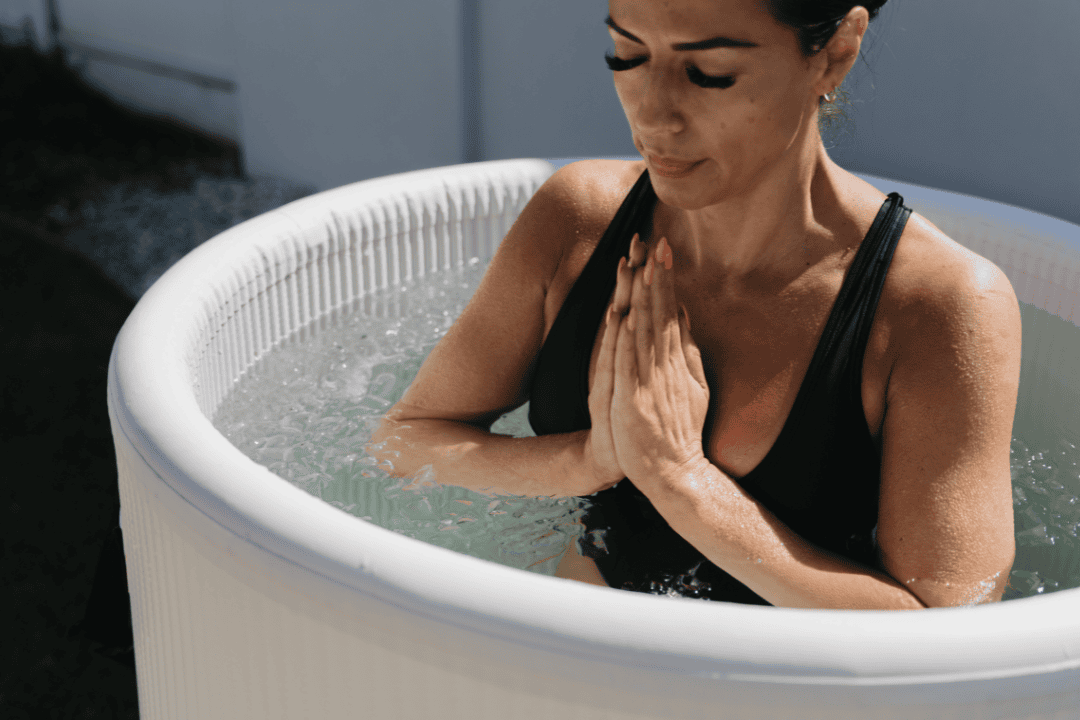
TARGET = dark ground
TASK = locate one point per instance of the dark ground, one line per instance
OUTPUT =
(95, 202)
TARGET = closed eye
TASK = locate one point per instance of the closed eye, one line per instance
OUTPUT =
(709, 81)
(696, 76)
(618, 64)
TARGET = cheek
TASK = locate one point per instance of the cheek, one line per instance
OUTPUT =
(627, 92)
(769, 119)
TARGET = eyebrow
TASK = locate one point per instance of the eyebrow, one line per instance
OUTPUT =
(711, 43)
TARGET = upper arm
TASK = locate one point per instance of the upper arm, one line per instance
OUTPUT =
(945, 525)
(481, 367)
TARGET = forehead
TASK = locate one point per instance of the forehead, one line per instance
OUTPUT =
(696, 19)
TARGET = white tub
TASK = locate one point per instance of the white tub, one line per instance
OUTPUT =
(253, 599)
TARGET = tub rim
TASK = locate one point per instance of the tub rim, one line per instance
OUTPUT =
(156, 409)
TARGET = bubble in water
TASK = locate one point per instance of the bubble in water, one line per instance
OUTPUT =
(307, 410)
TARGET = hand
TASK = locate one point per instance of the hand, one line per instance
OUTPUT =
(659, 396)
(599, 452)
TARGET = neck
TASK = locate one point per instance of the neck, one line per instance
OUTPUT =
(775, 226)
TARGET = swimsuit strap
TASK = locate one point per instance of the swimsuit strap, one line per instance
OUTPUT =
(848, 327)
(573, 333)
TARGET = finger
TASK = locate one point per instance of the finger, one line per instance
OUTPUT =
(624, 279)
(604, 378)
(637, 251)
(690, 351)
(641, 307)
(626, 379)
(601, 394)
(665, 310)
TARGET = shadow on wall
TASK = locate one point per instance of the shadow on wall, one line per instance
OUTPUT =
(130, 193)
(968, 96)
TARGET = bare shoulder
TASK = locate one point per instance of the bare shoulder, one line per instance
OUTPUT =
(562, 214)
(951, 325)
(582, 198)
(934, 279)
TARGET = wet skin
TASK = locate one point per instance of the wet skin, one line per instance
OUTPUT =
(714, 321)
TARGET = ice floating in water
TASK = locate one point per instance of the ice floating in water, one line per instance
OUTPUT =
(308, 409)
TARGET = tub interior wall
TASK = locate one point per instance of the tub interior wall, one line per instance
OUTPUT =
(328, 265)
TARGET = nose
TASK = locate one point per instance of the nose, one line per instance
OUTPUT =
(659, 110)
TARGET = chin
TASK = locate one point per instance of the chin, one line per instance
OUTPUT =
(686, 193)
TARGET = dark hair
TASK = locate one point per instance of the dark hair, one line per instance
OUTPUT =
(814, 23)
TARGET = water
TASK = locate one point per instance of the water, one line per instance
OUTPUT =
(1046, 514)
(307, 410)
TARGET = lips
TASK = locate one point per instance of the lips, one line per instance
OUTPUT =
(670, 167)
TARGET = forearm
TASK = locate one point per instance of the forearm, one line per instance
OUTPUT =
(467, 456)
(743, 538)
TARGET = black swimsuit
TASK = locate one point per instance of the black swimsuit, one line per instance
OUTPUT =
(822, 475)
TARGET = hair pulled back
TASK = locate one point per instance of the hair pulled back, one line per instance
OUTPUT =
(816, 21)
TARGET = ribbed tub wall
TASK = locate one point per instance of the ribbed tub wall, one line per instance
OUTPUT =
(298, 279)
(284, 270)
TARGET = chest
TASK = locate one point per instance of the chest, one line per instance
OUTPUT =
(756, 349)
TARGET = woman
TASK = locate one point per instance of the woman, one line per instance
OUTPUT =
(808, 389)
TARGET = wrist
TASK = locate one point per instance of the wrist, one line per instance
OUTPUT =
(686, 475)
(586, 476)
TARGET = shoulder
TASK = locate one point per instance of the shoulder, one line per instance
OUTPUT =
(564, 212)
(935, 279)
(583, 196)
(946, 305)
(592, 179)
(575, 207)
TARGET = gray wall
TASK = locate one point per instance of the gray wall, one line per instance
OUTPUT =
(975, 96)
(337, 91)
(165, 58)
(544, 88)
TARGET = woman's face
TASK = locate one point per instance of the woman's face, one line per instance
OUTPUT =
(732, 111)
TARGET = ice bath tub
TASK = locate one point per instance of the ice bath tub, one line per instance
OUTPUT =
(253, 599)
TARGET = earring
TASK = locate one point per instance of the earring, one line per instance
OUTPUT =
(829, 95)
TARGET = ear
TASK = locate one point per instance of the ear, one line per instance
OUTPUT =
(842, 50)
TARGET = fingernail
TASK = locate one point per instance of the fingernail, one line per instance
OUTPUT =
(648, 271)
(630, 319)
(668, 255)
(660, 251)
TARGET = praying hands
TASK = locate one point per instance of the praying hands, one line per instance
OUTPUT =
(649, 397)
